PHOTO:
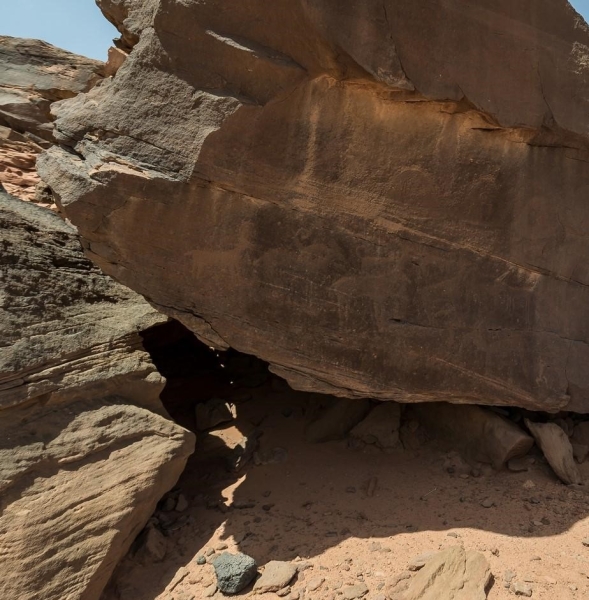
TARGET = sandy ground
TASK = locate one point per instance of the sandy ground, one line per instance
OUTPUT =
(314, 508)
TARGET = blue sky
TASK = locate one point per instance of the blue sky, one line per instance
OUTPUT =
(78, 25)
(75, 25)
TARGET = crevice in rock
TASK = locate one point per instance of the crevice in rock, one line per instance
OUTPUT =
(300, 477)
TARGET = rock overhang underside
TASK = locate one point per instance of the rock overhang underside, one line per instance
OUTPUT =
(381, 199)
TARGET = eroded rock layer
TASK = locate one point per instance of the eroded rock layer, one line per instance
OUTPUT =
(383, 199)
(84, 454)
(34, 75)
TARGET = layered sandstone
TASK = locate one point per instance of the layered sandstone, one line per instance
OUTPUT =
(86, 448)
(382, 199)
(34, 75)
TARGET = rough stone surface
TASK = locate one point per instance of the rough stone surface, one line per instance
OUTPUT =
(67, 331)
(581, 433)
(557, 449)
(480, 433)
(580, 452)
(213, 412)
(354, 592)
(33, 75)
(276, 576)
(337, 420)
(234, 572)
(452, 574)
(381, 199)
(84, 457)
(380, 426)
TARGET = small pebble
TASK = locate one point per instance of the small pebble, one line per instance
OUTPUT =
(315, 583)
(181, 504)
(487, 503)
(521, 589)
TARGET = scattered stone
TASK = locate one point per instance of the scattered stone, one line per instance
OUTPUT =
(371, 486)
(315, 583)
(337, 420)
(412, 436)
(154, 543)
(220, 547)
(508, 577)
(581, 433)
(275, 456)
(452, 573)
(243, 451)
(234, 572)
(169, 504)
(528, 484)
(354, 592)
(181, 503)
(481, 434)
(201, 560)
(557, 449)
(214, 412)
(397, 579)
(487, 503)
(420, 561)
(520, 588)
(580, 452)
(380, 426)
(276, 576)
(243, 504)
(518, 465)
(585, 542)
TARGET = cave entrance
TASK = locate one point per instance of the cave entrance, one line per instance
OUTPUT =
(351, 513)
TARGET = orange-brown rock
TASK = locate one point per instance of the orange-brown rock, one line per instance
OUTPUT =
(382, 199)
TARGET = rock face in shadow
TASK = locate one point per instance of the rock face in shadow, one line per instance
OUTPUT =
(84, 454)
(381, 200)
(34, 75)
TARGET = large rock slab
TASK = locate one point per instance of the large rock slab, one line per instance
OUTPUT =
(382, 200)
(77, 485)
(479, 433)
(84, 456)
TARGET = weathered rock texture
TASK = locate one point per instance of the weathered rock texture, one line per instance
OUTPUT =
(83, 455)
(34, 75)
(382, 199)
(452, 574)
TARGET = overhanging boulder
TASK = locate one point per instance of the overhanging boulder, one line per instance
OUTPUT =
(382, 200)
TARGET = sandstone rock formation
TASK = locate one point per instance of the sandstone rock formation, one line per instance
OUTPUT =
(381, 199)
(84, 456)
(34, 75)
(452, 574)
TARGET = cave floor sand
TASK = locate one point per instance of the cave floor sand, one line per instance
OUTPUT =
(315, 509)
